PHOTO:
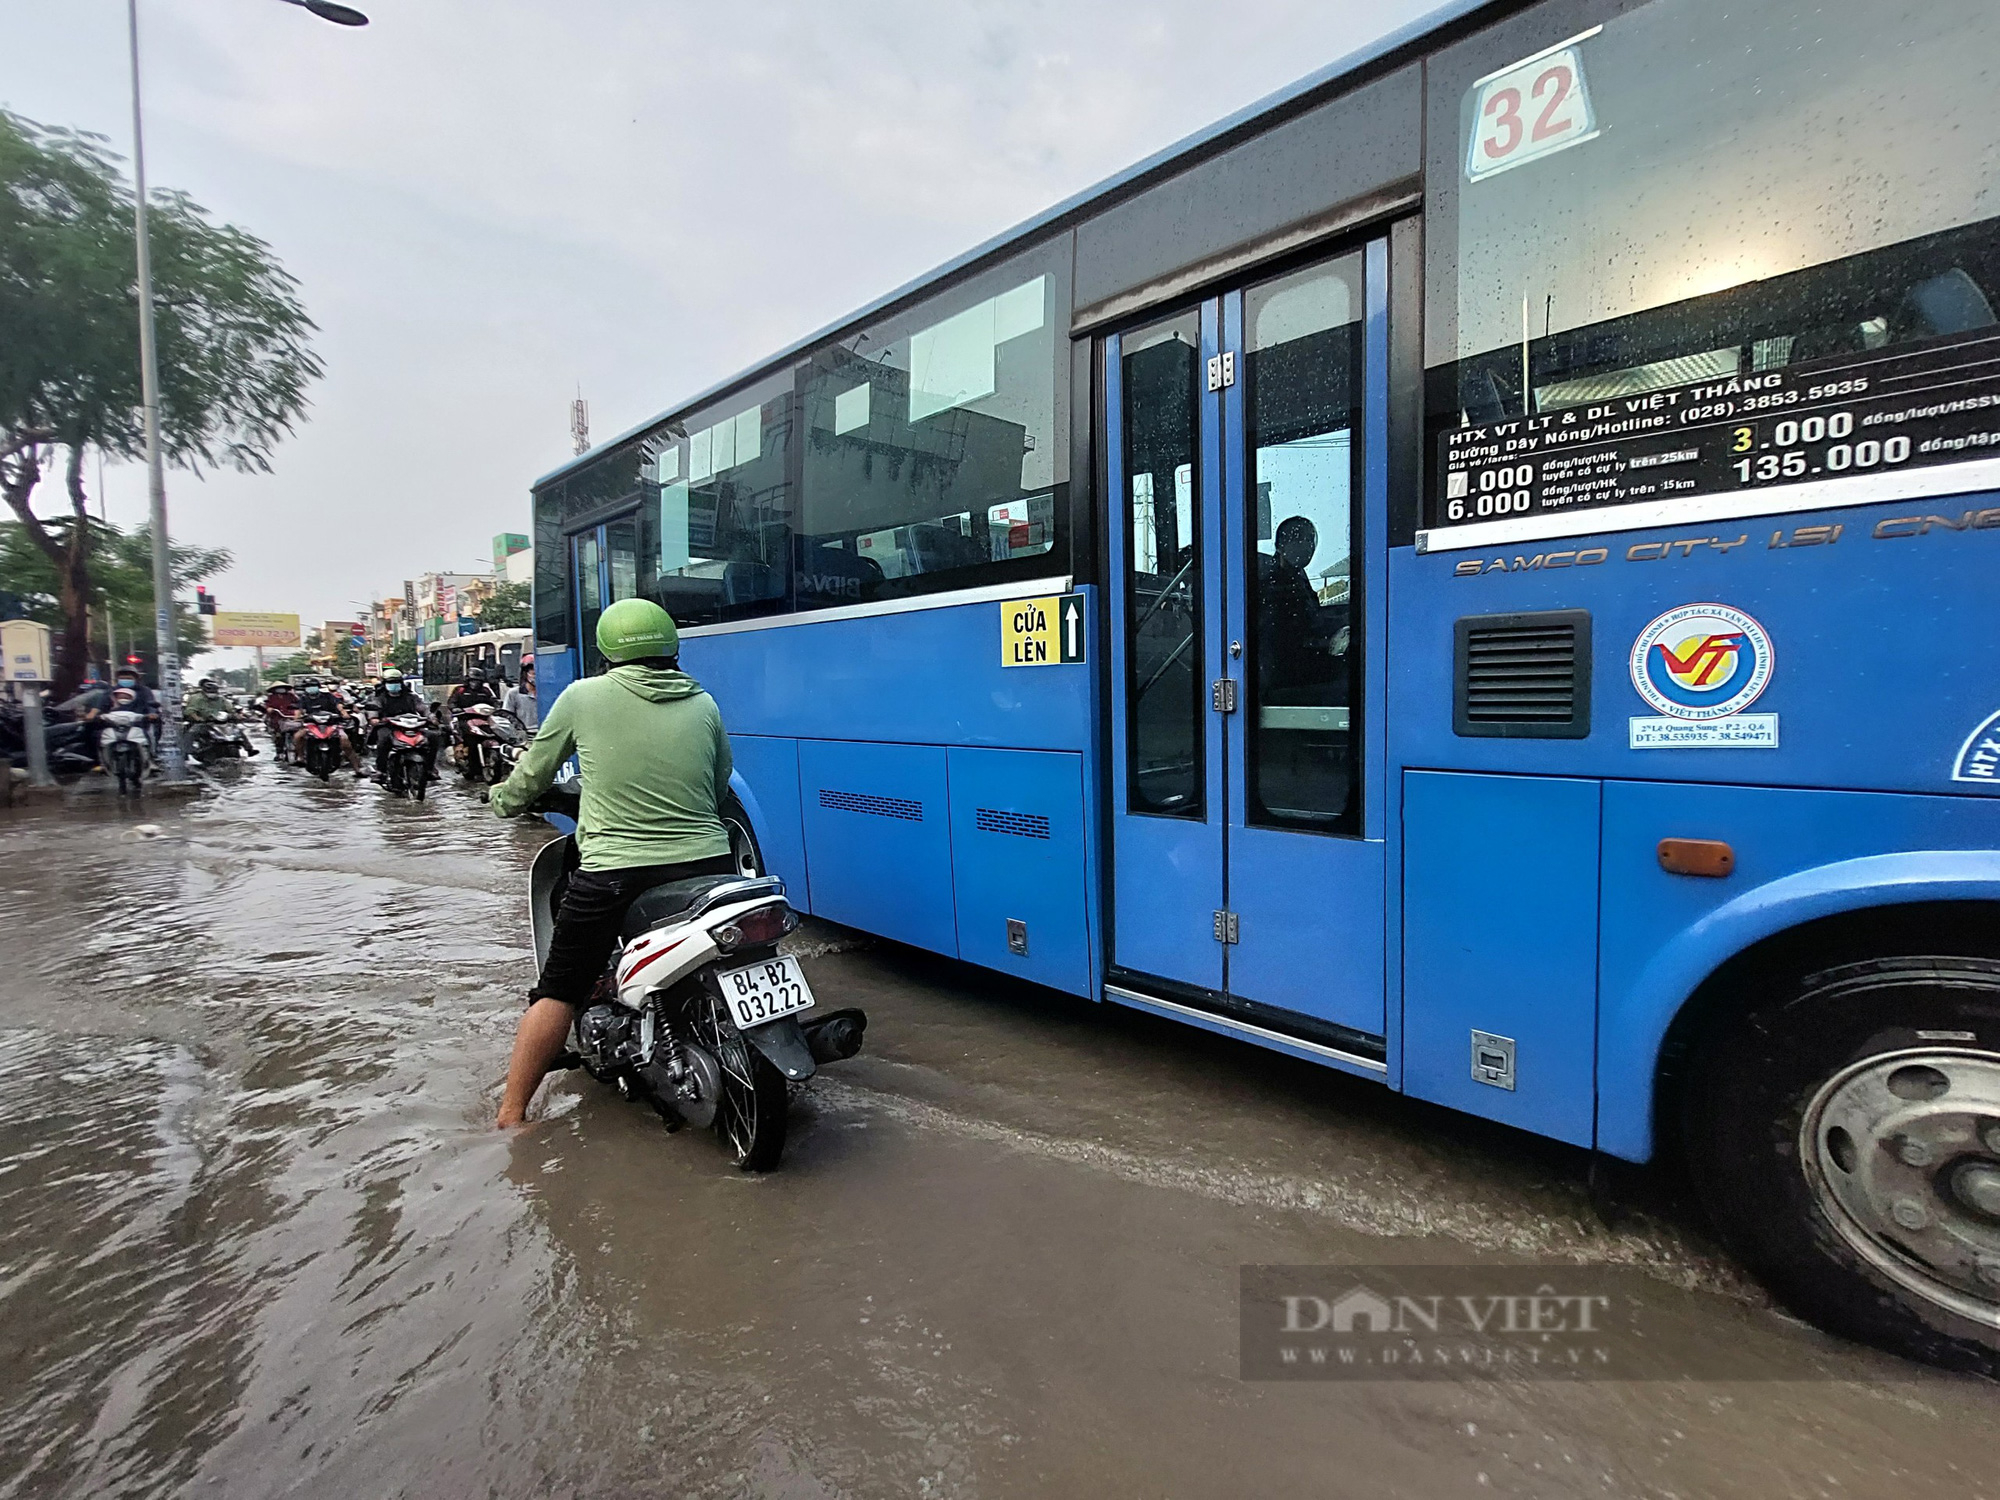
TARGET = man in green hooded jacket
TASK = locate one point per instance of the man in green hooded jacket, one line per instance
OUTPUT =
(656, 764)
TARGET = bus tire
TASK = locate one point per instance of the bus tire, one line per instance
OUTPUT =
(742, 837)
(1845, 1138)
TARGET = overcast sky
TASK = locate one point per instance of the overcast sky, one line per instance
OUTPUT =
(494, 204)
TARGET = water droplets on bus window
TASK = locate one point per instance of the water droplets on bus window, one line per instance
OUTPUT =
(932, 446)
(1744, 255)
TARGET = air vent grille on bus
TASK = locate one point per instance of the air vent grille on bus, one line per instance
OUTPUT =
(1522, 676)
(1023, 825)
(868, 802)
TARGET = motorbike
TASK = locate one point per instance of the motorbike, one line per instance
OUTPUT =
(124, 747)
(282, 729)
(472, 741)
(69, 742)
(509, 744)
(319, 748)
(409, 749)
(211, 742)
(698, 1015)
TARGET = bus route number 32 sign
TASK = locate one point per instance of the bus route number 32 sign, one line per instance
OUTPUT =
(1529, 110)
(1046, 632)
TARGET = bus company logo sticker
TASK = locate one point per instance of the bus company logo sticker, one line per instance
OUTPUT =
(1698, 667)
(1979, 757)
(1702, 662)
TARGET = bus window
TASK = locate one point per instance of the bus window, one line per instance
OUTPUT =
(1665, 271)
(713, 537)
(933, 451)
(1163, 575)
(1302, 358)
(510, 663)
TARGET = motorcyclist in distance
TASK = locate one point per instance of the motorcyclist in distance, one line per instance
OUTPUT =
(316, 697)
(97, 697)
(206, 705)
(475, 689)
(393, 698)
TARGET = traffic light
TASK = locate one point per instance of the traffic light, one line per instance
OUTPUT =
(204, 601)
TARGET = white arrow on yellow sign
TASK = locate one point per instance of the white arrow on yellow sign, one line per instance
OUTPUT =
(1045, 632)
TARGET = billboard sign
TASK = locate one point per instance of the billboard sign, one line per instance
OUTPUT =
(255, 629)
(505, 545)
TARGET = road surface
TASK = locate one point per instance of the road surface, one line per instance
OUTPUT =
(258, 1237)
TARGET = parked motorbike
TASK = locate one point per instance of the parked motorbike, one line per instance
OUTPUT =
(698, 1014)
(473, 740)
(70, 742)
(318, 745)
(123, 745)
(409, 748)
(209, 743)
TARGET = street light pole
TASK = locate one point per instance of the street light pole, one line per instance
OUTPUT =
(172, 762)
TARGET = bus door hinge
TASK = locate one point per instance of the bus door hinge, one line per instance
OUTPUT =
(1225, 927)
(1221, 370)
(1222, 695)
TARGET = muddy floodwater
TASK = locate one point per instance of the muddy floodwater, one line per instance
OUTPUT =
(258, 1238)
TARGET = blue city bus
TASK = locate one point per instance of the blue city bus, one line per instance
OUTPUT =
(1477, 571)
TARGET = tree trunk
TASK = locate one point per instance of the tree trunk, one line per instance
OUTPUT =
(73, 647)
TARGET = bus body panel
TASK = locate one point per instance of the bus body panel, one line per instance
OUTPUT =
(766, 782)
(1885, 654)
(878, 841)
(1799, 855)
(1500, 896)
(1018, 871)
(927, 676)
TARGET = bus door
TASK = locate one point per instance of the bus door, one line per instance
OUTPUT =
(1246, 473)
(604, 568)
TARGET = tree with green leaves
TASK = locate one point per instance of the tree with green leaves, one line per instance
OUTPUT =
(234, 351)
(506, 607)
(120, 596)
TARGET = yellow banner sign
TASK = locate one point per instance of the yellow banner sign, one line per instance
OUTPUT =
(256, 630)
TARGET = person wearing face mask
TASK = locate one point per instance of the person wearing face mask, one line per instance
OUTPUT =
(393, 698)
(88, 705)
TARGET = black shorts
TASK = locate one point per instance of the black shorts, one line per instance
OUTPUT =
(590, 916)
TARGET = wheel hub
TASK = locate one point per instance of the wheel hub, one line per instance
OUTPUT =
(1903, 1152)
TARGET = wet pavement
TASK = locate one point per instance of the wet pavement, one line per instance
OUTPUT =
(258, 1238)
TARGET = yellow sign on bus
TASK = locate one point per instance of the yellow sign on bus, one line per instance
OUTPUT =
(256, 630)
(1047, 632)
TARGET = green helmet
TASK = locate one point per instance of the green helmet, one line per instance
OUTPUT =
(392, 674)
(633, 628)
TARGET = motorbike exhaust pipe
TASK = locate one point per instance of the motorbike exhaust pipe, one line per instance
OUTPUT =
(835, 1037)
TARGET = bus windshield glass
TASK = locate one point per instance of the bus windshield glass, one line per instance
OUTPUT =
(1704, 248)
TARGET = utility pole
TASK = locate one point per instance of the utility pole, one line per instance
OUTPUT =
(173, 764)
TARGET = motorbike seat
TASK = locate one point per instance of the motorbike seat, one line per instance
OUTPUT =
(663, 902)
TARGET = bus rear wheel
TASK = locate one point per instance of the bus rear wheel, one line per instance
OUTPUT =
(742, 838)
(1845, 1137)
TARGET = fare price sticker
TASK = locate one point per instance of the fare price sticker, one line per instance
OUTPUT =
(1045, 632)
(1529, 110)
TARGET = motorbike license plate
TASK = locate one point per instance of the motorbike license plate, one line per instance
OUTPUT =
(765, 991)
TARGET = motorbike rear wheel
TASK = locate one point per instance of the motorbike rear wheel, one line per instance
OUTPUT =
(751, 1115)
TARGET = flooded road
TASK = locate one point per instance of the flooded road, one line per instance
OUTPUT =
(257, 1236)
